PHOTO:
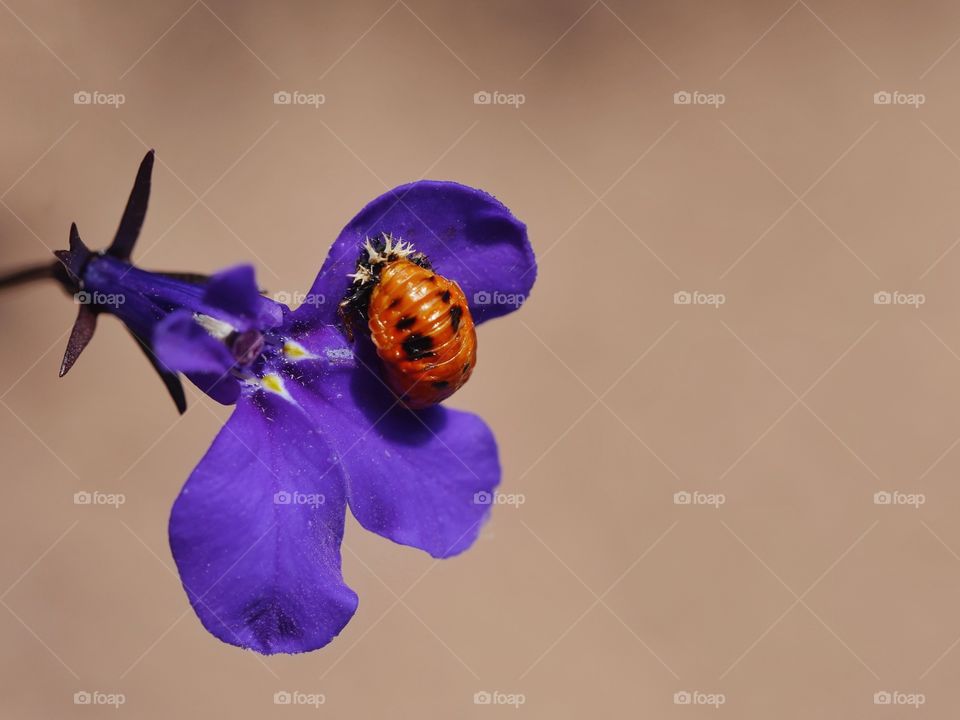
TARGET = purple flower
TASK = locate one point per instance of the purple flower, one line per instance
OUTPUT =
(256, 529)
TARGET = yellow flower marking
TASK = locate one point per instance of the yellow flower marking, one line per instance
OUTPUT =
(271, 382)
(293, 350)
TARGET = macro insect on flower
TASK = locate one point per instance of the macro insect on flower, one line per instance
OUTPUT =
(336, 401)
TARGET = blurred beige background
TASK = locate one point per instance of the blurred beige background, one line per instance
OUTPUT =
(782, 197)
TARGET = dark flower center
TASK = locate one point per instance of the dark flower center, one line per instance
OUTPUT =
(247, 346)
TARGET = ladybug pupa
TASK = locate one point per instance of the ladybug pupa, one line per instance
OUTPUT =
(418, 320)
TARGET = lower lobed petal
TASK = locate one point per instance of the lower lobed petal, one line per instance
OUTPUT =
(256, 532)
(422, 478)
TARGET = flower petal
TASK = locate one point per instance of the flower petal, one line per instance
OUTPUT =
(256, 532)
(424, 478)
(225, 389)
(235, 291)
(181, 345)
(467, 234)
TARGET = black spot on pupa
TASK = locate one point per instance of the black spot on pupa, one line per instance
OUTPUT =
(421, 260)
(394, 302)
(432, 279)
(418, 346)
(466, 366)
(445, 296)
(456, 313)
(440, 384)
(406, 322)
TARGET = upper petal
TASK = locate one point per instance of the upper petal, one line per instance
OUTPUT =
(181, 345)
(467, 234)
(235, 291)
(256, 532)
(423, 478)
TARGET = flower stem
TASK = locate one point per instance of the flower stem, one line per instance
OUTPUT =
(29, 274)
